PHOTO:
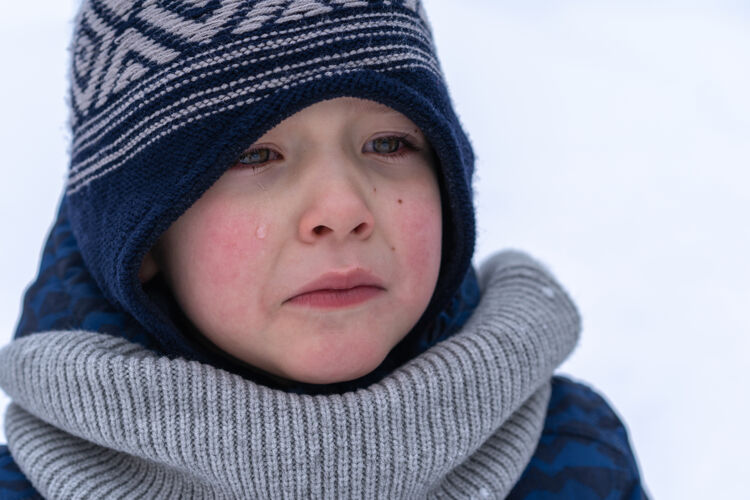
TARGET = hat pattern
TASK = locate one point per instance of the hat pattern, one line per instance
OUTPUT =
(127, 55)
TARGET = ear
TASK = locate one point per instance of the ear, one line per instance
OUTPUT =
(149, 268)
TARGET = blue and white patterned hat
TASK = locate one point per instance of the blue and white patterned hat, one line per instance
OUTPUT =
(165, 94)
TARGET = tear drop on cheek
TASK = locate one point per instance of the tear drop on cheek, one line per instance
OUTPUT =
(261, 232)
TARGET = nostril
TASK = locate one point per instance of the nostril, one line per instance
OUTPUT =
(361, 229)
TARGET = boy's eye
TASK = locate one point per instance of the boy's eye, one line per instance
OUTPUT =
(389, 146)
(386, 145)
(256, 157)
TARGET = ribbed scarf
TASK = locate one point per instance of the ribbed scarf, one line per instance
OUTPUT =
(94, 416)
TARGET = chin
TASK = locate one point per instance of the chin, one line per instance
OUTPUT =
(335, 368)
(331, 374)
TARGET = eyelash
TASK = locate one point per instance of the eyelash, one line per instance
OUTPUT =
(405, 147)
(256, 167)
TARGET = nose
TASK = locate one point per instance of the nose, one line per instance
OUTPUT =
(336, 208)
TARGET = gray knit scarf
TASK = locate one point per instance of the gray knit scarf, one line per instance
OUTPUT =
(94, 416)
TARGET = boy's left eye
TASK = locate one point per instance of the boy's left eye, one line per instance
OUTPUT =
(388, 146)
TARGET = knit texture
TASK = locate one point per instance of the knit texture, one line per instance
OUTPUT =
(166, 94)
(97, 417)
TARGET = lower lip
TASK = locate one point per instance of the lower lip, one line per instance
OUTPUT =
(333, 299)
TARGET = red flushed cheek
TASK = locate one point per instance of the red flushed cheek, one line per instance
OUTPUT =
(228, 247)
(420, 228)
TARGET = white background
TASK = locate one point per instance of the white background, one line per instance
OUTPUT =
(613, 143)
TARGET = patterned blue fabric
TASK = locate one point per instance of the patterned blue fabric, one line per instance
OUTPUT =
(13, 484)
(584, 454)
(64, 296)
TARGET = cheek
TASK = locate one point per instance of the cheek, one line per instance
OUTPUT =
(230, 245)
(222, 253)
(420, 227)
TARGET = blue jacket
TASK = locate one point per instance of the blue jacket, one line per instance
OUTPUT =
(584, 454)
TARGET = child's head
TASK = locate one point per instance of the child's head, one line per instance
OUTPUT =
(254, 155)
(318, 251)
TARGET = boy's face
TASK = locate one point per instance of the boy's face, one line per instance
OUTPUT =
(319, 250)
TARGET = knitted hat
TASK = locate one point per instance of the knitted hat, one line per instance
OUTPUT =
(167, 93)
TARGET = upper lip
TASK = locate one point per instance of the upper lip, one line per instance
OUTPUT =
(336, 280)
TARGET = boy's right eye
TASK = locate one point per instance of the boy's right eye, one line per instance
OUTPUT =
(256, 157)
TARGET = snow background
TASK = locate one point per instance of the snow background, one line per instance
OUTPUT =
(613, 143)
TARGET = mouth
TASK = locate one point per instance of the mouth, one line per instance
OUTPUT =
(338, 289)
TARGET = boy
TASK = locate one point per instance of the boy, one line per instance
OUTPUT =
(259, 284)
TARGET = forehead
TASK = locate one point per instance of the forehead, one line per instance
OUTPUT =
(367, 106)
(342, 113)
